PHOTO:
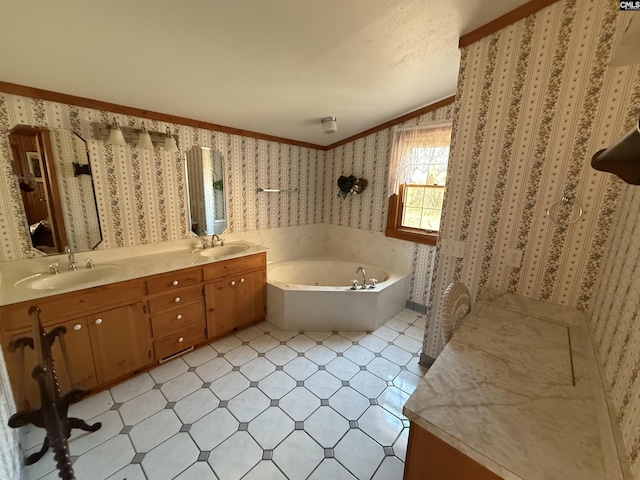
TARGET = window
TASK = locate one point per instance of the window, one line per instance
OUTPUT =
(417, 180)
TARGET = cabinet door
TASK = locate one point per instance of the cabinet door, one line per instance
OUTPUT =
(80, 368)
(251, 297)
(222, 312)
(121, 341)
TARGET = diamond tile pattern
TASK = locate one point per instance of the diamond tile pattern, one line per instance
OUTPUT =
(259, 404)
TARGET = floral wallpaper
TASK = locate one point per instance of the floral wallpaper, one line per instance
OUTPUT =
(9, 446)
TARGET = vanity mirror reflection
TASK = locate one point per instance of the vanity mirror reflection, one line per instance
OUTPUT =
(53, 173)
(205, 179)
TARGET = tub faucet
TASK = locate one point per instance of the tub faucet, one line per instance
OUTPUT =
(72, 258)
(364, 276)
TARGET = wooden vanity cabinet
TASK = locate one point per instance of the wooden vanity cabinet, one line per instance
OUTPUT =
(176, 303)
(239, 298)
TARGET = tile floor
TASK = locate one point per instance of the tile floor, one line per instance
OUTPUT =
(260, 404)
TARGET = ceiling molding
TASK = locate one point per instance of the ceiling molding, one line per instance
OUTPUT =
(505, 20)
(50, 96)
(395, 121)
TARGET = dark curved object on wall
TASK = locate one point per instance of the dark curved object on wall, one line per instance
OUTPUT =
(622, 158)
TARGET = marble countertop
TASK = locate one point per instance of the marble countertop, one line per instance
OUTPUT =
(132, 262)
(518, 390)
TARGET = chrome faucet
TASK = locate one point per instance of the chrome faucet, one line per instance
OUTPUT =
(364, 276)
(72, 258)
(213, 240)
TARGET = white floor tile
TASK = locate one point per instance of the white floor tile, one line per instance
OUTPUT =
(31, 436)
(81, 441)
(213, 369)
(200, 356)
(409, 344)
(323, 384)
(226, 344)
(132, 471)
(386, 333)
(392, 400)
(170, 458)
(196, 405)
(373, 343)
(390, 469)
(92, 406)
(248, 405)
(400, 447)
(132, 388)
(282, 335)
(353, 336)
(359, 454)
(299, 404)
(397, 355)
(265, 470)
(349, 403)
(197, 471)
(151, 432)
(417, 333)
(326, 426)
(320, 355)
(396, 324)
(179, 387)
(281, 355)
(229, 385)
(342, 368)
(337, 343)
(330, 469)
(301, 343)
(257, 369)
(235, 456)
(266, 326)
(380, 425)
(414, 367)
(105, 460)
(407, 381)
(300, 368)
(359, 355)
(271, 427)
(249, 334)
(240, 355)
(169, 370)
(407, 315)
(298, 455)
(420, 322)
(383, 368)
(142, 406)
(277, 385)
(368, 384)
(42, 467)
(264, 343)
(318, 336)
(213, 429)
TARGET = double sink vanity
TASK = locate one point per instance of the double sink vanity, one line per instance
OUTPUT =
(125, 314)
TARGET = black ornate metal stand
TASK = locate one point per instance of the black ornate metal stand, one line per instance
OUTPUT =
(53, 413)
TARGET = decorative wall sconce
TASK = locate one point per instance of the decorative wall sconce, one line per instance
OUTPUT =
(351, 184)
(117, 135)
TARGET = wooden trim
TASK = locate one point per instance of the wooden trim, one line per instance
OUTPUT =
(394, 224)
(505, 20)
(50, 96)
(408, 116)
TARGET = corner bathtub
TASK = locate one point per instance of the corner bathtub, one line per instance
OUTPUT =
(314, 294)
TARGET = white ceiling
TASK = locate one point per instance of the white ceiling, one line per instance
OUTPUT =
(270, 66)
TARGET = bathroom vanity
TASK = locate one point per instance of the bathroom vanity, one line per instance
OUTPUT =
(116, 330)
(515, 394)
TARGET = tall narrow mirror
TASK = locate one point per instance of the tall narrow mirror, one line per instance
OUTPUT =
(53, 173)
(205, 176)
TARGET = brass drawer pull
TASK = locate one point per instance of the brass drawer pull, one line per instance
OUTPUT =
(178, 317)
(242, 280)
(233, 283)
(175, 282)
(77, 327)
(98, 321)
(180, 340)
(177, 299)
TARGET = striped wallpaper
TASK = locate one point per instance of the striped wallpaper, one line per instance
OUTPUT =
(9, 450)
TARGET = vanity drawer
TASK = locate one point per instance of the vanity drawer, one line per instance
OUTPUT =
(174, 280)
(234, 266)
(178, 319)
(178, 341)
(80, 303)
(176, 298)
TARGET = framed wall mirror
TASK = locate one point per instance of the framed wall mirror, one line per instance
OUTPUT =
(205, 180)
(53, 172)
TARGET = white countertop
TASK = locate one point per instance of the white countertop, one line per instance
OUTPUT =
(518, 390)
(134, 262)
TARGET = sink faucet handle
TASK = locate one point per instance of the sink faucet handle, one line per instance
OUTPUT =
(90, 263)
(373, 281)
(354, 284)
(53, 269)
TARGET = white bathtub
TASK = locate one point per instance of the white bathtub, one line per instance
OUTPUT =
(314, 294)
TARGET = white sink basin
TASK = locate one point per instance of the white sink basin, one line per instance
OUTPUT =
(225, 250)
(69, 278)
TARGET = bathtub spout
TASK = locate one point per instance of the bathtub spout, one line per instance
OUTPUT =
(364, 276)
